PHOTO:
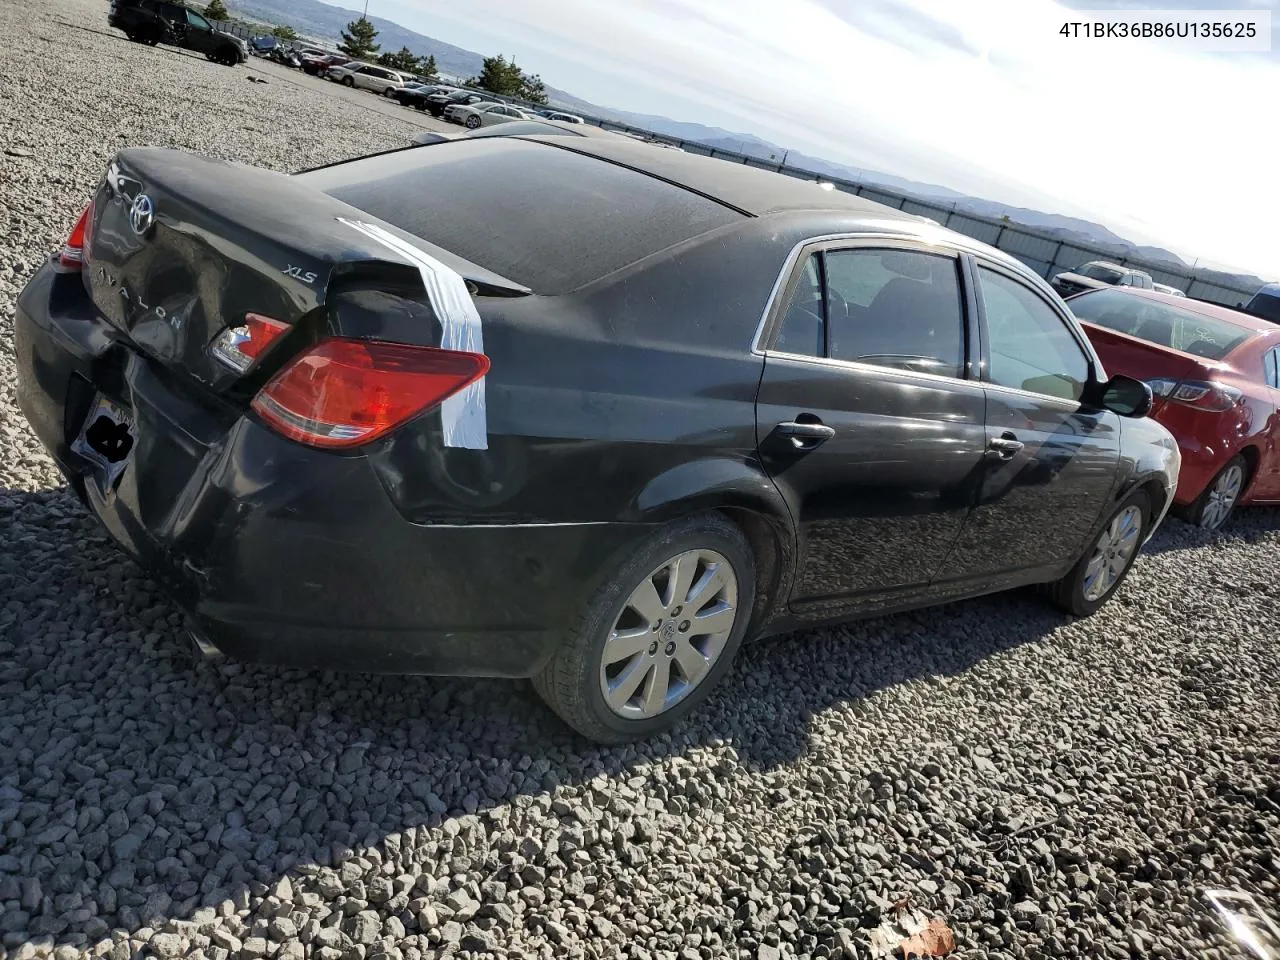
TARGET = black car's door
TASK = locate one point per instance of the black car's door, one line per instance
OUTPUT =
(200, 35)
(870, 419)
(1053, 462)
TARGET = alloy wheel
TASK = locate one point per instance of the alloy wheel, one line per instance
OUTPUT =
(1222, 497)
(670, 632)
(1113, 553)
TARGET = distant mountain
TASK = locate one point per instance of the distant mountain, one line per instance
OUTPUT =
(324, 22)
(321, 21)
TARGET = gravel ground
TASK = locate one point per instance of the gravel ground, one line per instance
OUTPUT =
(1046, 787)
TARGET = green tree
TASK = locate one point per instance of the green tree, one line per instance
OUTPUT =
(503, 77)
(357, 40)
(217, 10)
(403, 59)
(284, 32)
(428, 69)
(533, 89)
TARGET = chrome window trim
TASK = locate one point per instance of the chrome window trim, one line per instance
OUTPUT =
(861, 367)
(1071, 405)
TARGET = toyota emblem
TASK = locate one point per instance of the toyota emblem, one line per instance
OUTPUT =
(142, 213)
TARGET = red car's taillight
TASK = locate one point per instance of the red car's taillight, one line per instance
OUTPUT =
(72, 255)
(1201, 394)
(342, 393)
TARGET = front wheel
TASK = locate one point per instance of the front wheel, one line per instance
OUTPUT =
(473, 122)
(389, 92)
(1095, 578)
(657, 636)
(1212, 508)
(348, 82)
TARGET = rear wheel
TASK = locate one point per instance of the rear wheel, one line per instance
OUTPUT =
(1098, 574)
(1212, 508)
(657, 636)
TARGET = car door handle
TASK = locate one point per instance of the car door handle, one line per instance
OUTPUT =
(805, 436)
(1003, 448)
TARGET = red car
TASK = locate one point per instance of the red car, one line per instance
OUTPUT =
(1215, 376)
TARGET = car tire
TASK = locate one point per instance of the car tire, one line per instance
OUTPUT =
(389, 92)
(348, 82)
(473, 122)
(1110, 555)
(573, 683)
(1218, 501)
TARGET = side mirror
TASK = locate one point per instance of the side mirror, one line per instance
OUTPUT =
(1126, 396)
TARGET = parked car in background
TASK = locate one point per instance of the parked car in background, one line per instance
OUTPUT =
(1165, 288)
(478, 115)
(562, 117)
(437, 103)
(809, 407)
(529, 127)
(163, 21)
(417, 94)
(1265, 303)
(1215, 374)
(319, 65)
(367, 76)
(1100, 273)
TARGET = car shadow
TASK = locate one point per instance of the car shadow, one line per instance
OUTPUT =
(158, 784)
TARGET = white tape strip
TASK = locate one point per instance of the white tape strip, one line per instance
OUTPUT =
(463, 414)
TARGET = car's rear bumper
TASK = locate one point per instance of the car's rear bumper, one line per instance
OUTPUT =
(287, 554)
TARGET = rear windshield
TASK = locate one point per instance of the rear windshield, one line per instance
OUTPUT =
(546, 218)
(1266, 306)
(1098, 272)
(1160, 323)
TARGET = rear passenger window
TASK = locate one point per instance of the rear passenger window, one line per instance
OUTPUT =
(895, 308)
(1273, 368)
(803, 326)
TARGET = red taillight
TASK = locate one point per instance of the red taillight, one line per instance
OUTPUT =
(73, 251)
(342, 393)
(1202, 394)
(240, 347)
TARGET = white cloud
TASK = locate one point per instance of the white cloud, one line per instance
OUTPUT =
(1160, 144)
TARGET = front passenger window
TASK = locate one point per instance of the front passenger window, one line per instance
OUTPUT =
(1031, 348)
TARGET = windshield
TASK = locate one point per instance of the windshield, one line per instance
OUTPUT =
(1160, 323)
(1099, 271)
(1266, 306)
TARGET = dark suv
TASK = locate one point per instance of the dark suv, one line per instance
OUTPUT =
(161, 21)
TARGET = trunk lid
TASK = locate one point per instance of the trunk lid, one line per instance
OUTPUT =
(182, 246)
(1143, 360)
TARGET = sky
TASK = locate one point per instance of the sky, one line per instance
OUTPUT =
(1162, 144)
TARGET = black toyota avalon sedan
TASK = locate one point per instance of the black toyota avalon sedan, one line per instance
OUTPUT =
(571, 409)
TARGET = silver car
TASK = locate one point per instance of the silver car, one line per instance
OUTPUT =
(478, 115)
(367, 76)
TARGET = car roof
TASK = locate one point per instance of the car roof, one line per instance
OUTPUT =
(748, 189)
(1197, 306)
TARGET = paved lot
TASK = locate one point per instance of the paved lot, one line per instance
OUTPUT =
(1050, 788)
